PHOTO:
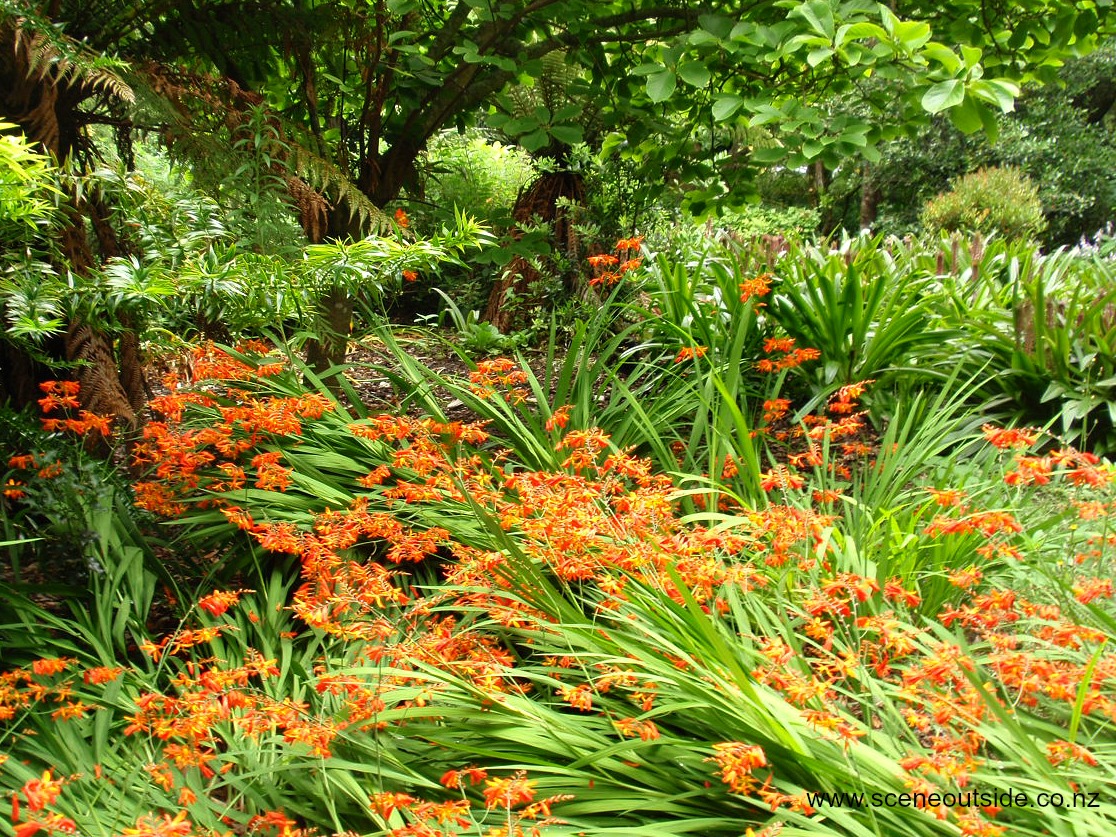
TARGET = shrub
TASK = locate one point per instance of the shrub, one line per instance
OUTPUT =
(989, 200)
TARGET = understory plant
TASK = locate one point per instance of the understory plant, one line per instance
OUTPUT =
(478, 643)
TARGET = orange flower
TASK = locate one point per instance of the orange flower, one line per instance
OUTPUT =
(851, 392)
(797, 358)
(999, 437)
(50, 471)
(690, 352)
(633, 243)
(101, 674)
(580, 697)
(91, 422)
(385, 803)
(59, 397)
(1087, 589)
(454, 778)
(736, 762)
(1030, 470)
(631, 727)
(605, 278)
(69, 711)
(150, 826)
(218, 602)
(775, 408)
(42, 791)
(53, 665)
(401, 218)
(946, 497)
(780, 477)
(965, 578)
(603, 260)
(1060, 751)
(778, 344)
(759, 286)
(50, 823)
(559, 418)
(509, 792)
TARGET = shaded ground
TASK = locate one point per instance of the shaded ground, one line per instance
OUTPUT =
(370, 361)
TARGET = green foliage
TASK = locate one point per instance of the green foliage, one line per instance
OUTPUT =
(750, 221)
(476, 338)
(26, 183)
(469, 172)
(1002, 201)
(255, 194)
(865, 310)
(551, 113)
(354, 123)
(75, 538)
(1067, 153)
(1040, 338)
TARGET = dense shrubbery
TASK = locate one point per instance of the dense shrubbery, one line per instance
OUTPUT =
(1000, 201)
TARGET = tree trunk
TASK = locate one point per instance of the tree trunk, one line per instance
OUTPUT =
(820, 177)
(101, 391)
(869, 198)
(335, 315)
(541, 200)
(19, 376)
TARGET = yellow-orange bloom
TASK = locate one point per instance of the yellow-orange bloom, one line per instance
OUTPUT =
(736, 761)
(509, 792)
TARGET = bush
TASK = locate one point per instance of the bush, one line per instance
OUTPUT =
(765, 219)
(1002, 200)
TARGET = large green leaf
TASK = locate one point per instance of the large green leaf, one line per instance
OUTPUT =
(661, 85)
(943, 95)
(694, 73)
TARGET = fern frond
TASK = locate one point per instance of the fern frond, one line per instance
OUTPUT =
(50, 53)
(330, 179)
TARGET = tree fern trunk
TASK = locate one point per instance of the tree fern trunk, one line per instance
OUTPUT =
(335, 315)
(510, 298)
(132, 378)
(19, 376)
(101, 391)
